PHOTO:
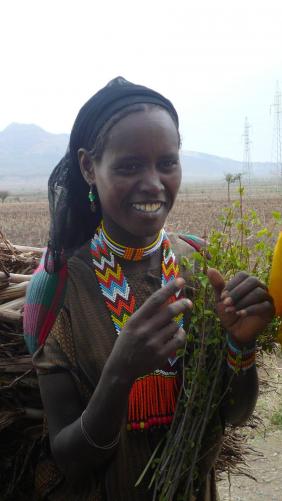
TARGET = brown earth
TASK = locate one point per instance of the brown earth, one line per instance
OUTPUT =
(265, 464)
(196, 211)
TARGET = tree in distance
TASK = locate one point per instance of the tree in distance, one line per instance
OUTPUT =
(3, 195)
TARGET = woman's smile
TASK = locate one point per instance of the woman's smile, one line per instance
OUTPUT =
(151, 207)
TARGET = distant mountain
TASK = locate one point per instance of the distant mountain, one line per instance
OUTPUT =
(201, 167)
(28, 154)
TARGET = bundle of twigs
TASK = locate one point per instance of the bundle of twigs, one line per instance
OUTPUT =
(20, 417)
(16, 266)
(18, 258)
(235, 447)
(20, 404)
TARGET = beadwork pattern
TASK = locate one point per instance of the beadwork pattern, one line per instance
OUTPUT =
(239, 359)
(152, 398)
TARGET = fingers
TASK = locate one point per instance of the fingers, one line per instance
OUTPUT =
(243, 288)
(233, 282)
(174, 344)
(241, 284)
(168, 332)
(167, 313)
(255, 296)
(263, 310)
(158, 299)
(247, 296)
(217, 281)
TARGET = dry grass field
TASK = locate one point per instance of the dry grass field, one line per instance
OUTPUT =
(196, 210)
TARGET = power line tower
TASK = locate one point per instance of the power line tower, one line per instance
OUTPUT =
(276, 108)
(247, 164)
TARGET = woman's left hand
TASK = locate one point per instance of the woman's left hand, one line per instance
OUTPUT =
(244, 305)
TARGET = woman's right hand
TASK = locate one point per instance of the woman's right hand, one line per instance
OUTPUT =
(151, 335)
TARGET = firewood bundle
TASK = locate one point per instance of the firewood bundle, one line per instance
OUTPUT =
(20, 404)
(16, 266)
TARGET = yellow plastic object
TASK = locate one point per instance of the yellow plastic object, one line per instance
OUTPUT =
(275, 280)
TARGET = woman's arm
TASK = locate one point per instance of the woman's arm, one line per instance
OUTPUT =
(102, 420)
(244, 307)
(241, 395)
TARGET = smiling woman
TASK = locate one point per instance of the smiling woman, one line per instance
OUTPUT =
(138, 176)
(107, 312)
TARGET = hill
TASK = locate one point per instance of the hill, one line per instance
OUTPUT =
(28, 154)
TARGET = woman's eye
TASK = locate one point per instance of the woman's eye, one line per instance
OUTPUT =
(130, 168)
(169, 164)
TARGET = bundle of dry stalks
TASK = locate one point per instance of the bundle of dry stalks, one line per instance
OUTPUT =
(16, 266)
(20, 404)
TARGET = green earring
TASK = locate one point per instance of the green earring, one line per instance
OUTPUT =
(92, 198)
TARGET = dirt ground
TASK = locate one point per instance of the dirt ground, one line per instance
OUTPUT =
(266, 462)
(267, 469)
(25, 220)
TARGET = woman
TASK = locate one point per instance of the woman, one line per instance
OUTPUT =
(107, 370)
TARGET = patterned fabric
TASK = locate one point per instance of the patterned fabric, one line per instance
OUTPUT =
(44, 299)
(196, 242)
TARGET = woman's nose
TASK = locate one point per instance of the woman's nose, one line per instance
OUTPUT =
(151, 181)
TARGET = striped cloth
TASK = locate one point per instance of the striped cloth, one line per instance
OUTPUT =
(45, 298)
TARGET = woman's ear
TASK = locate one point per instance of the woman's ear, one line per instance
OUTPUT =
(87, 166)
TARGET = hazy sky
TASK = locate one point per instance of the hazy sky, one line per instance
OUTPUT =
(217, 60)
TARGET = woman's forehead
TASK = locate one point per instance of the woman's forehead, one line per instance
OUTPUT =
(138, 127)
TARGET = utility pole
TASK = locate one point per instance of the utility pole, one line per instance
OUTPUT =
(276, 137)
(247, 165)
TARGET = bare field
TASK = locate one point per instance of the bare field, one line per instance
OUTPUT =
(25, 223)
(195, 211)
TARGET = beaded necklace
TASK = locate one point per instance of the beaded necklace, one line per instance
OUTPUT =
(152, 398)
(131, 253)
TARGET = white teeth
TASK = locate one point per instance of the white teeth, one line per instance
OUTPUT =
(147, 207)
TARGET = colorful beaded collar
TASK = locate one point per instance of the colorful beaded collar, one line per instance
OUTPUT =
(131, 253)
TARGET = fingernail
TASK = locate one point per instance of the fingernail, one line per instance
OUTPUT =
(179, 282)
(229, 309)
(188, 302)
(227, 301)
(224, 294)
(242, 313)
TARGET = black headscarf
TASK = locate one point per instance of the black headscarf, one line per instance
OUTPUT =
(72, 222)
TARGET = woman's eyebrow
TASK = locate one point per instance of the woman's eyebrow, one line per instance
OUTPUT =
(140, 156)
(129, 158)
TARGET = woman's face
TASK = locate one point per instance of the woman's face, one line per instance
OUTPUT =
(138, 176)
